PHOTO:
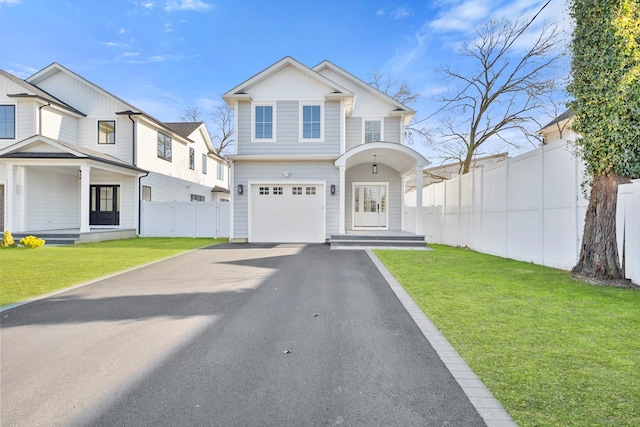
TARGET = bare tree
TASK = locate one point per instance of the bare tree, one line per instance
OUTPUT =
(503, 96)
(220, 120)
(399, 91)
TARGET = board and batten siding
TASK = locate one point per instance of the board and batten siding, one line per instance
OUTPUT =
(53, 199)
(299, 172)
(287, 128)
(59, 126)
(362, 173)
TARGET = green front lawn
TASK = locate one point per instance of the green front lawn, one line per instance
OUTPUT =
(553, 350)
(26, 273)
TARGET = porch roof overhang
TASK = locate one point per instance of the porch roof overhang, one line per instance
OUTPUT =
(45, 151)
(397, 156)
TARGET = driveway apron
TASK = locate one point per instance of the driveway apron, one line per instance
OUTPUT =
(230, 335)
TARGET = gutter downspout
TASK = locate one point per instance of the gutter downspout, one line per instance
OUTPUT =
(134, 147)
(40, 116)
(140, 201)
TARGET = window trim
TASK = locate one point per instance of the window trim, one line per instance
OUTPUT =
(164, 156)
(273, 121)
(301, 120)
(13, 106)
(372, 119)
(114, 132)
(219, 171)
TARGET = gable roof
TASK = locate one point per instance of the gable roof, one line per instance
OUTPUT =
(240, 91)
(184, 129)
(37, 93)
(564, 116)
(400, 108)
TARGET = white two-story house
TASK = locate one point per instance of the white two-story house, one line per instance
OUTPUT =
(75, 157)
(318, 153)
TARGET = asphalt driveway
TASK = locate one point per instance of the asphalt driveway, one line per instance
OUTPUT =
(232, 335)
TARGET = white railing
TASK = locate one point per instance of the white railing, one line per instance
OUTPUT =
(530, 208)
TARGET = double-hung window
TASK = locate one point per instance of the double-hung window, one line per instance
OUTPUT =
(106, 131)
(7, 121)
(164, 146)
(311, 122)
(220, 172)
(263, 119)
(372, 130)
(204, 164)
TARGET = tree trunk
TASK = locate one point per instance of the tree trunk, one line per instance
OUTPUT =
(599, 253)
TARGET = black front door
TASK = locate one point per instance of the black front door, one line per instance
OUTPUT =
(105, 205)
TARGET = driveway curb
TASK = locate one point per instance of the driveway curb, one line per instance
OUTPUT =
(489, 408)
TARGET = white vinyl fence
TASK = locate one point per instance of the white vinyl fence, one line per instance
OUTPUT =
(185, 219)
(530, 208)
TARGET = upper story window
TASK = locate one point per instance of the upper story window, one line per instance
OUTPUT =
(7, 121)
(220, 175)
(164, 146)
(372, 130)
(204, 164)
(263, 119)
(192, 158)
(106, 131)
(311, 122)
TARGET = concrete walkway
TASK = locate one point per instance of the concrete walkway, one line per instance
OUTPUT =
(237, 335)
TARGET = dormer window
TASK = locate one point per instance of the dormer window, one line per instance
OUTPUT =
(263, 119)
(311, 122)
(372, 131)
(106, 131)
(7, 121)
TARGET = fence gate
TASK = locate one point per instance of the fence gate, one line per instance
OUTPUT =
(185, 219)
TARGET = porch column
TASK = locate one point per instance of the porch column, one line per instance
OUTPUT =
(343, 193)
(85, 180)
(419, 221)
(10, 196)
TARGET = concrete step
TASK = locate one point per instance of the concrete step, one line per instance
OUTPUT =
(353, 241)
(51, 239)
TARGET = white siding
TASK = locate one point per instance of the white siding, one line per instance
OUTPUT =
(165, 188)
(362, 173)
(289, 83)
(52, 199)
(274, 171)
(60, 126)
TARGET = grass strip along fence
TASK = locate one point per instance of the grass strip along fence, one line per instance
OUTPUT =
(553, 350)
(27, 273)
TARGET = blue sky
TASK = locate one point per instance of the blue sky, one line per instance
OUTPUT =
(166, 55)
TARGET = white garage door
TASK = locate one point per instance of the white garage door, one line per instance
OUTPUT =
(287, 213)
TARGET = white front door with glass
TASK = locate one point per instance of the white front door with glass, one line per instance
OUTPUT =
(370, 205)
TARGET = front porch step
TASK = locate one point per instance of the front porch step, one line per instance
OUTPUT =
(354, 241)
(51, 238)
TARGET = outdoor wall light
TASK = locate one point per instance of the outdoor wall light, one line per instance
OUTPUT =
(240, 189)
(374, 167)
(286, 174)
(333, 189)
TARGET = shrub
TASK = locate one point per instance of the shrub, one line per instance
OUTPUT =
(7, 240)
(32, 242)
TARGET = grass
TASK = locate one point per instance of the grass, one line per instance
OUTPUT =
(553, 350)
(26, 273)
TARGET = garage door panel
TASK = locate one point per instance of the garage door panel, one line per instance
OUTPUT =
(292, 213)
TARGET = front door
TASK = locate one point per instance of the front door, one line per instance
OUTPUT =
(105, 205)
(370, 206)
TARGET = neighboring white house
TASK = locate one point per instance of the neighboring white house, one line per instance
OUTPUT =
(318, 153)
(74, 156)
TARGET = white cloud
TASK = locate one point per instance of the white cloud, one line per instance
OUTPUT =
(399, 13)
(380, 12)
(187, 5)
(122, 31)
(10, 2)
(129, 54)
(110, 44)
(168, 27)
(461, 17)
(148, 5)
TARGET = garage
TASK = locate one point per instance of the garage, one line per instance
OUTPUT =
(287, 213)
